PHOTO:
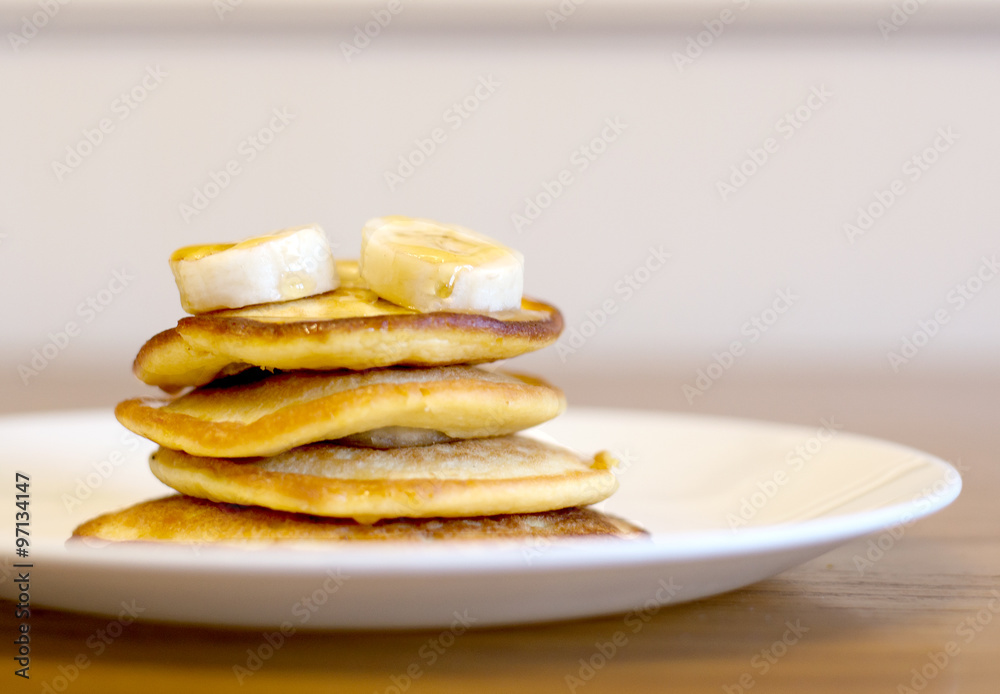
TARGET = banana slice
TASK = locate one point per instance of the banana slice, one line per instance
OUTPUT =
(289, 264)
(428, 266)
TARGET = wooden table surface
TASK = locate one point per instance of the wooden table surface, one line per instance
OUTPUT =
(925, 617)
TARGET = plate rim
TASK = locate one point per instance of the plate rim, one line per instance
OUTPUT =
(660, 548)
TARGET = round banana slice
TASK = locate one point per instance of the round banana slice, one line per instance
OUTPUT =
(290, 264)
(427, 266)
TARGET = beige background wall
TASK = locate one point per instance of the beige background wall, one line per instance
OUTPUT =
(211, 84)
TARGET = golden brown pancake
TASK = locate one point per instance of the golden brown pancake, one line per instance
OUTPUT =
(184, 519)
(348, 328)
(473, 477)
(397, 406)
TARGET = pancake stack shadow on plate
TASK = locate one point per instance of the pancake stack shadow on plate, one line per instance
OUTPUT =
(343, 416)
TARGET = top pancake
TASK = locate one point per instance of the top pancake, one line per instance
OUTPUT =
(348, 328)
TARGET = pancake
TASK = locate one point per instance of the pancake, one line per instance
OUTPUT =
(184, 519)
(474, 477)
(348, 328)
(264, 414)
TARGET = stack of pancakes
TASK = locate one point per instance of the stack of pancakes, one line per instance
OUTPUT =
(343, 416)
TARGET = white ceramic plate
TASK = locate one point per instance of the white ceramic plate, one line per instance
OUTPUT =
(727, 503)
